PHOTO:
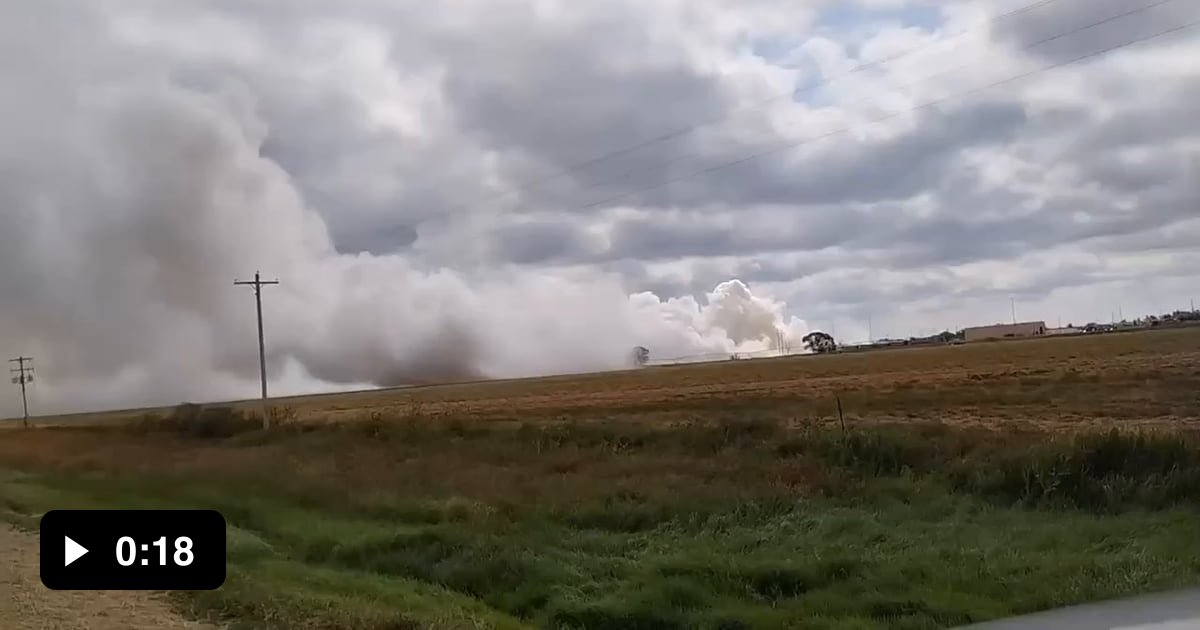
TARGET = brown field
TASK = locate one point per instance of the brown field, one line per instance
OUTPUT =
(1021, 390)
(1149, 379)
(969, 482)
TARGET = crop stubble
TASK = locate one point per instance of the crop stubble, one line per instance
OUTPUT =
(1149, 379)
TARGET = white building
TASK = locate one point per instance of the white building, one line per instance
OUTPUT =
(1005, 331)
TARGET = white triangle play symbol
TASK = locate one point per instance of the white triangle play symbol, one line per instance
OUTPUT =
(72, 551)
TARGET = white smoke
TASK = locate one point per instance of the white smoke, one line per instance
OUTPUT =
(130, 202)
(730, 320)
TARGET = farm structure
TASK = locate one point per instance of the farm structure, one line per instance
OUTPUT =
(1005, 331)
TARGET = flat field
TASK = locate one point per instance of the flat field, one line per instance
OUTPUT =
(958, 484)
(1096, 381)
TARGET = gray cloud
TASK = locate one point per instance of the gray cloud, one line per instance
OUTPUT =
(537, 241)
(166, 148)
(847, 172)
(1115, 21)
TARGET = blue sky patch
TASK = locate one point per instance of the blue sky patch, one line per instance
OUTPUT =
(849, 23)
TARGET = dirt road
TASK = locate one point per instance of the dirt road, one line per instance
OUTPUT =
(27, 605)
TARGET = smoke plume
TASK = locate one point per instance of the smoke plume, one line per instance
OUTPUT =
(131, 200)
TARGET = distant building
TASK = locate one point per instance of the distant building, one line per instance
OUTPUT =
(1067, 330)
(1005, 331)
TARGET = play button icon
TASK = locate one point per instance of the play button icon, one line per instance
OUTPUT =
(72, 551)
(130, 550)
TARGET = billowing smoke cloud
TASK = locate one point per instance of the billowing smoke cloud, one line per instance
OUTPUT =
(130, 201)
(731, 319)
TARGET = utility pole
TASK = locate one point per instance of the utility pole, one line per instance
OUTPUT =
(22, 376)
(1012, 302)
(258, 284)
(870, 331)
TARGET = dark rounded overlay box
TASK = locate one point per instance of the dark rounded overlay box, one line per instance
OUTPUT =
(133, 550)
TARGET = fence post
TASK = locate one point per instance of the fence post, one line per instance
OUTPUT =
(841, 419)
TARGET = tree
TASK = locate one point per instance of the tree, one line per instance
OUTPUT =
(819, 342)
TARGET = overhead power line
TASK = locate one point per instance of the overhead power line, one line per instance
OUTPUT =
(687, 129)
(907, 86)
(875, 63)
(23, 375)
(889, 116)
(258, 283)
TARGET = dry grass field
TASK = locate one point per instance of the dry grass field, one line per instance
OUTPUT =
(1146, 379)
(963, 483)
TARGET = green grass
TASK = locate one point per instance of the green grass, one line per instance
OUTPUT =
(922, 527)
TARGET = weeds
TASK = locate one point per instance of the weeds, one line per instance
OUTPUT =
(912, 512)
(199, 422)
(626, 512)
(1110, 472)
(282, 416)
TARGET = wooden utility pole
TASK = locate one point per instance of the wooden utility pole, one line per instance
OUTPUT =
(258, 284)
(22, 375)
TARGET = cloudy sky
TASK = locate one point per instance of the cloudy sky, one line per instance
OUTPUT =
(509, 187)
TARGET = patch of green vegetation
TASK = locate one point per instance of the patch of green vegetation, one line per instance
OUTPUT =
(921, 527)
(1109, 472)
(275, 593)
(198, 421)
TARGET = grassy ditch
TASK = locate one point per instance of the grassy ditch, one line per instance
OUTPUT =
(725, 522)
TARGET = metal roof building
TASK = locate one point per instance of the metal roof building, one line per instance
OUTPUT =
(1005, 331)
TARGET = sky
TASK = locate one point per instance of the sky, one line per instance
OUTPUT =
(520, 187)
